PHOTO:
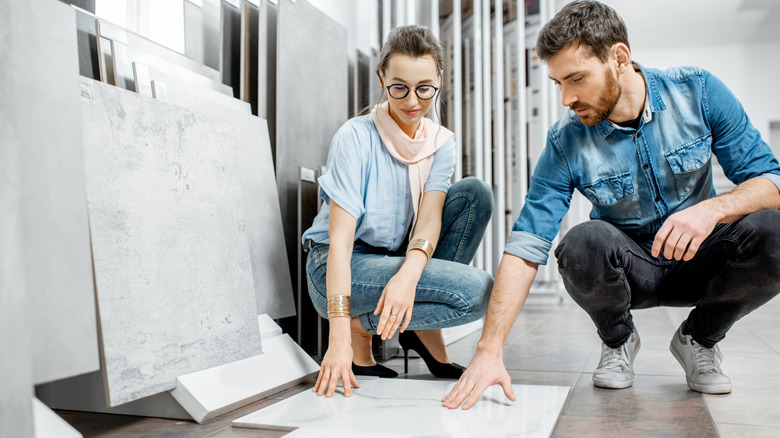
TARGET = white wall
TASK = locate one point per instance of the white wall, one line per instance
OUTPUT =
(750, 71)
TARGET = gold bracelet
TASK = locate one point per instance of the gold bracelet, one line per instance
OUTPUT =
(423, 245)
(339, 306)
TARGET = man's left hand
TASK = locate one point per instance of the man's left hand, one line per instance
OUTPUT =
(683, 232)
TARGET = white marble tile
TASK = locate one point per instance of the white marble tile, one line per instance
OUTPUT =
(413, 408)
(170, 250)
(58, 262)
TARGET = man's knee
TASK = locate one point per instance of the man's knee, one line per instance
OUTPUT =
(588, 238)
(762, 229)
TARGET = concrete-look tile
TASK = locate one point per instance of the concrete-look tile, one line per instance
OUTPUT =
(550, 356)
(744, 431)
(543, 378)
(753, 400)
(170, 249)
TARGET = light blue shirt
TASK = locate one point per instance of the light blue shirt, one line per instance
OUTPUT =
(365, 180)
(636, 178)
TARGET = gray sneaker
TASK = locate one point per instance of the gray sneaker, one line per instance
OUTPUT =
(701, 364)
(616, 367)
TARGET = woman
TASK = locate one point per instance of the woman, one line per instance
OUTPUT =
(389, 250)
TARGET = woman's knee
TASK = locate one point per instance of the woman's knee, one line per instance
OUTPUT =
(478, 192)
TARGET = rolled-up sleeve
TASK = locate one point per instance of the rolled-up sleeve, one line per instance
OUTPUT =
(547, 202)
(741, 151)
(342, 180)
(442, 169)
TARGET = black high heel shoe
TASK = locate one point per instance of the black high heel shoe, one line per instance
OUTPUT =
(373, 370)
(410, 341)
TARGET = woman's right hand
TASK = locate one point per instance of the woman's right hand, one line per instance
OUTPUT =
(337, 364)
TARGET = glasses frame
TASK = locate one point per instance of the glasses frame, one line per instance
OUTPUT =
(435, 91)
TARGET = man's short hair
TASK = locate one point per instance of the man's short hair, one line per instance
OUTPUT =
(594, 25)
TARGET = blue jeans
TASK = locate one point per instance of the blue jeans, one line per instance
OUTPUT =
(449, 292)
(609, 272)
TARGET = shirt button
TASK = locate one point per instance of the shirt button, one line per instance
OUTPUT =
(645, 166)
(657, 199)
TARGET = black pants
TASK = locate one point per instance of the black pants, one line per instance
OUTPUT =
(736, 270)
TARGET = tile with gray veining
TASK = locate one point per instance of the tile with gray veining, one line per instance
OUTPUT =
(417, 404)
(170, 249)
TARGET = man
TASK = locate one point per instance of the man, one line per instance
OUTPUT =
(638, 143)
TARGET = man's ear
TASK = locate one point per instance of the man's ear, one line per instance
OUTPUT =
(622, 56)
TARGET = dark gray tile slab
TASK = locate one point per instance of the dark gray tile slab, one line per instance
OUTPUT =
(304, 131)
(170, 249)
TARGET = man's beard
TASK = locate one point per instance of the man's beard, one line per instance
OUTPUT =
(606, 104)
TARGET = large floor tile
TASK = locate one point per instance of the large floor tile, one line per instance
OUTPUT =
(753, 401)
(744, 431)
(418, 404)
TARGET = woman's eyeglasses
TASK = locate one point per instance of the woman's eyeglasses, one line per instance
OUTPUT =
(400, 91)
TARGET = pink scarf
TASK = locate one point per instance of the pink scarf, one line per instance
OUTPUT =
(417, 152)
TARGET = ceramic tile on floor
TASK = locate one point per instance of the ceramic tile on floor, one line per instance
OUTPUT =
(743, 431)
(418, 403)
(654, 406)
(753, 401)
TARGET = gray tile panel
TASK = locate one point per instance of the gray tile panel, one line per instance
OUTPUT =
(171, 258)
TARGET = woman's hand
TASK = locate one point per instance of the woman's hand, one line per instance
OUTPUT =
(337, 364)
(397, 299)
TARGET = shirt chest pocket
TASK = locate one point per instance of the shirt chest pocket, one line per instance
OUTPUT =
(689, 163)
(614, 197)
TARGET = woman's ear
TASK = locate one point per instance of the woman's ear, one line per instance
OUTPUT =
(381, 82)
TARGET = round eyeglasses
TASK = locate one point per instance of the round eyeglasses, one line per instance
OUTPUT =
(423, 92)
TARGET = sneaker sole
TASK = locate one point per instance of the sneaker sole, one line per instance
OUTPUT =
(705, 389)
(711, 389)
(611, 384)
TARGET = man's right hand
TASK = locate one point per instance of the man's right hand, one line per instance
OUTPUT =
(485, 370)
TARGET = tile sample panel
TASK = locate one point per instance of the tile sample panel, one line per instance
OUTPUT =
(270, 269)
(15, 361)
(58, 262)
(417, 404)
(171, 258)
(304, 131)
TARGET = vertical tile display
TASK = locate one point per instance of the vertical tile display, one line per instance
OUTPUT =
(57, 255)
(270, 269)
(311, 103)
(170, 251)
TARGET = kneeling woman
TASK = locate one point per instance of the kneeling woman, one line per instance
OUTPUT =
(388, 173)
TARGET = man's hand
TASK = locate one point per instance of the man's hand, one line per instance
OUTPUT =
(484, 370)
(683, 232)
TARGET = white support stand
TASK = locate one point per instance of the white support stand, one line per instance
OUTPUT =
(202, 395)
(48, 424)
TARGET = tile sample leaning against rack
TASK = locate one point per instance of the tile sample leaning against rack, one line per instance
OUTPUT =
(171, 258)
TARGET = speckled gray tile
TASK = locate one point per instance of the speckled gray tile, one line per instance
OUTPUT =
(171, 255)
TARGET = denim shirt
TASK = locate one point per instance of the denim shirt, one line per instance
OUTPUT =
(372, 186)
(636, 178)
